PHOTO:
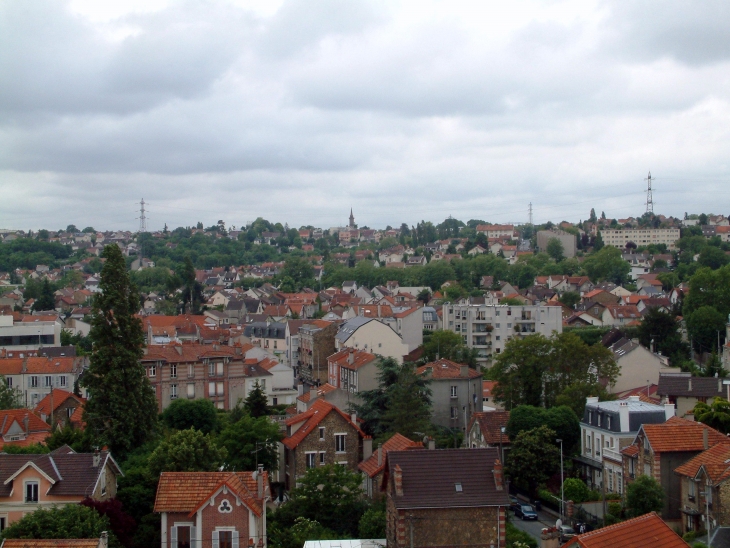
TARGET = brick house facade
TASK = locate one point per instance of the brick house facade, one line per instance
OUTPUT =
(322, 435)
(445, 497)
(316, 343)
(217, 509)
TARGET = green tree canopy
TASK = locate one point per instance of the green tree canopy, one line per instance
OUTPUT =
(664, 330)
(607, 264)
(187, 451)
(256, 402)
(716, 415)
(10, 398)
(331, 495)
(644, 495)
(555, 249)
(122, 407)
(249, 441)
(562, 420)
(533, 457)
(709, 288)
(200, 414)
(46, 300)
(61, 522)
(706, 328)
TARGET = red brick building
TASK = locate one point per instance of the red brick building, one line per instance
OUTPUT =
(218, 509)
(445, 497)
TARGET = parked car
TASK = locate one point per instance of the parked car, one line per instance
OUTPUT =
(514, 504)
(566, 533)
(526, 511)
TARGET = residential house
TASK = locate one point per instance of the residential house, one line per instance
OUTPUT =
(646, 530)
(618, 315)
(488, 401)
(219, 509)
(639, 366)
(445, 497)
(316, 342)
(374, 467)
(372, 336)
(58, 406)
(487, 429)
(497, 231)
(21, 427)
(685, 391)
(270, 336)
(322, 435)
(608, 427)
(705, 489)
(309, 397)
(58, 478)
(659, 449)
(456, 393)
(35, 377)
(353, 370)
(30, 332)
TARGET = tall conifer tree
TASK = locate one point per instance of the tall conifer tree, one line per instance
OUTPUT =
(122, 408)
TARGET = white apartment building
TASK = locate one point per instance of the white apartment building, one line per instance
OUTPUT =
(640, 236)
(606, 428)
(489, 327)
(30, 333)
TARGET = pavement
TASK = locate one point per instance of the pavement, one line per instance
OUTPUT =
(534, 528)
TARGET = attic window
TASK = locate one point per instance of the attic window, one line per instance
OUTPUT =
(458, 487)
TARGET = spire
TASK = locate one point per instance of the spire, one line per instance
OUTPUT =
(352, 219)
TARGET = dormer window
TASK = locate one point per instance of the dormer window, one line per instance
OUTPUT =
(31, 491)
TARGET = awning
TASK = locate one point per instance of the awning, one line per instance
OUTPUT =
(588, 462)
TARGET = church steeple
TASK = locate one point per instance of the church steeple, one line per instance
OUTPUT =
(352, 219)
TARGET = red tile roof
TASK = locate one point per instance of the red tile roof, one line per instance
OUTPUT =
(678, 434)
(714, 461)
(311, 419)
(397, 442)
(10, 416)
(59, 397)
(351, 358)
(490, 424)
(642, 532)
(446, 369)
(321, 391)
(186, 491)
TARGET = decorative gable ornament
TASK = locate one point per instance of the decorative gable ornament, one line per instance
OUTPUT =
(225, 507)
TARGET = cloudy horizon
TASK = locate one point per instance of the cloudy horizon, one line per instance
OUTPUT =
(298, 110)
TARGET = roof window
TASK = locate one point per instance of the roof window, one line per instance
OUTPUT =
(458, 487)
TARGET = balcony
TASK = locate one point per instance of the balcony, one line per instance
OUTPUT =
(612, 454)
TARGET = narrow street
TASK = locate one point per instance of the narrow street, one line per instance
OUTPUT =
(533, 527)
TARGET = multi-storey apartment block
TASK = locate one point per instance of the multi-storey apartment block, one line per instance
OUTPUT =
(640, 236)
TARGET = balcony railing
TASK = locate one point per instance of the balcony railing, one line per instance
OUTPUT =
(612, 454)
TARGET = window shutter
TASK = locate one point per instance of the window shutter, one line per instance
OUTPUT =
(173, 536)
(193, 537)
(235, 539)
(216, 544)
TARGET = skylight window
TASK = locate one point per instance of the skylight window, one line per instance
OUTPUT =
(458, 487)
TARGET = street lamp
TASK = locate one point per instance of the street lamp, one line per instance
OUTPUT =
(562, 492)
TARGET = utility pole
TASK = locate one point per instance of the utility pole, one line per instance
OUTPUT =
(142, 217)
(649, 200)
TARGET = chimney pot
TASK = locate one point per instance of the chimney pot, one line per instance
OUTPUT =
(260, 481)
(96, 459)
(431, 443)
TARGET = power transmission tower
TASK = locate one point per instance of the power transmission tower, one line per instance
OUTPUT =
(649, 200)
(142, 217)
(530, 210)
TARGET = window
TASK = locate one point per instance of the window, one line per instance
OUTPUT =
(173, 371)
(321, 458)
(496, 325)
(31, 491)
(3, 523)
(311, 459)
(225, 539)
(191, 371)
(153, 370)
(34, 382)
(9, 382)
(219, 388)
(180, 536)
(173, 391)
(219, 369)
(102, 480)
(498, 338)
(211, 389)
(340, 443)
(321, 433)
(454, 391)
(191, 390)
(454, 412)
(62, 381)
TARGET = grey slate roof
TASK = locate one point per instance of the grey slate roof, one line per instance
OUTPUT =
(430, 477)
(350, 326)
(678, 384)
(273, 330)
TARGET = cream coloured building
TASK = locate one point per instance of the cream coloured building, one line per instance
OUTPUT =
(640, 236)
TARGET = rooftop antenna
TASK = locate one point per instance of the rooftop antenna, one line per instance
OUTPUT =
(142, 218)
(649, 200)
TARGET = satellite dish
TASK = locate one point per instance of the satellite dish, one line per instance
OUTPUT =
(558, 523)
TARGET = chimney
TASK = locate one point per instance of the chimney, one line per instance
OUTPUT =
(651, 346)
(97, 458)
(668, 410)
(350, 357)
(689, 388)
(103, 539)
(398, 480)
(260, 481)
(367, 447)
(431, 443)
(705, 438)
(498, 480)
(353, 418)
(623, 416)
(592, 399)
(464, 372)
(312, 395)
(380, 454)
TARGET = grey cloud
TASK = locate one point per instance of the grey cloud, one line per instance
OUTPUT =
(691, 32)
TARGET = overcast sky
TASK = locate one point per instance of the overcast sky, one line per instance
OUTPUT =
(298, 110)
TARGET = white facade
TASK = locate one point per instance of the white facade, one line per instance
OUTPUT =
(640, 236)
(29, 334)
(488, 328)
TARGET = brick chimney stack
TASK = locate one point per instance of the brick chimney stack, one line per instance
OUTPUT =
(260, 481)
(398, 480)
(498, 476)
